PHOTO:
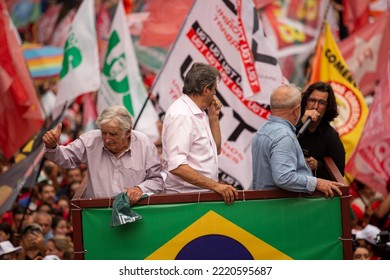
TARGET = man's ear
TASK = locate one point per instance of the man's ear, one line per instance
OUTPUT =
(128, 133)
(297, 111)
(205, 90)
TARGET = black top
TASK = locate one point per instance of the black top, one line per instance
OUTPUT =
(323, 142)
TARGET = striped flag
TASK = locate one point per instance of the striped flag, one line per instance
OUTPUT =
(43, 61)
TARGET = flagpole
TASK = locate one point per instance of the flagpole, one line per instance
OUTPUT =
(142, 109)
(308, 74)
(35, 146)
(30, 196)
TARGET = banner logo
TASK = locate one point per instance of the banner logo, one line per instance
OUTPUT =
(72, 54)
(350, 110)
(115, 70)
(220, 239)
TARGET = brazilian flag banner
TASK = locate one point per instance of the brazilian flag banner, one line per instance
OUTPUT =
(305, 228)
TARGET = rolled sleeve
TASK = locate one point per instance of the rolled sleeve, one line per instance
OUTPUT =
(175, 161)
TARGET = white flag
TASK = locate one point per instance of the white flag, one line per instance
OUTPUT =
(121, 81)
(80, 67)
(227, 35)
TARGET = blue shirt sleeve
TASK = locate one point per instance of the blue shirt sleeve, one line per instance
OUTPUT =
(288, 170)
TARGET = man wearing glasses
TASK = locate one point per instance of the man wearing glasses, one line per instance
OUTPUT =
(320, 139)
(278, 160)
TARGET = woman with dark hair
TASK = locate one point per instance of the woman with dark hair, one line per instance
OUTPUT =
(320, 139)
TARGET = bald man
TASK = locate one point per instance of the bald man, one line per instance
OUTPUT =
(278, 160)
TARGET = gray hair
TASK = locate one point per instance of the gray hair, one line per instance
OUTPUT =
(118, 113)
(285, 97)
(200, 75)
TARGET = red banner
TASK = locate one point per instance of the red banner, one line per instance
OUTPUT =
(20, 112)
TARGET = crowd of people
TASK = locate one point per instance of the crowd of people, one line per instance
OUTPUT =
(114, 158)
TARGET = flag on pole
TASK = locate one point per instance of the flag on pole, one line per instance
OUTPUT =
(292, 27)
(43, 61)
(121, 80)
(365, 50)
(227, 35)
(355, 15)
(20, 112)
(330, 67)
(22, 174)
(25, 172)
(80, 67)
(163, 23)
(371, 161)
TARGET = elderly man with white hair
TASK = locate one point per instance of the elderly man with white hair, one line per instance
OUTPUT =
(118, 158)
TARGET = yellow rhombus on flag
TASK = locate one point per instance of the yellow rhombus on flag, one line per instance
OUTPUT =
(329, 66)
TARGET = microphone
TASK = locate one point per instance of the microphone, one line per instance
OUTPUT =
(304, 127)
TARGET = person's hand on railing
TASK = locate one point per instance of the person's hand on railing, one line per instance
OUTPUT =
(329, 188)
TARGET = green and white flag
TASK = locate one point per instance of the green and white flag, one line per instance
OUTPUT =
(121, 79)
(80, 71)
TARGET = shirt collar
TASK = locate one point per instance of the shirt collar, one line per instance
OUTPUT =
(191, 105)
(282, 121)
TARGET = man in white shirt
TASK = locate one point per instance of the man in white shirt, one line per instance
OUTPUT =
(192, 138)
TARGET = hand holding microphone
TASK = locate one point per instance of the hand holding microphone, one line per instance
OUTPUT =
(304, 127)
(312, 115)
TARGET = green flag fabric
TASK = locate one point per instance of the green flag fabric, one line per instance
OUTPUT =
(269, 229)
(121, 211)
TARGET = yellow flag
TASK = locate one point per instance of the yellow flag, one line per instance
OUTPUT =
(353, 110)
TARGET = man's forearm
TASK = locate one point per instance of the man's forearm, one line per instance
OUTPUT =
(191, 176)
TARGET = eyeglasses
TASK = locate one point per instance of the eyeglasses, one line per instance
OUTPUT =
(314, 100)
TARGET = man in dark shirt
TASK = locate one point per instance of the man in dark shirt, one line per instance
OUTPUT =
(320, 139)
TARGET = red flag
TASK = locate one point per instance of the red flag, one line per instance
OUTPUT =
(259, 4)
(356, 15)
(128, 6)
(164, 21)
(20, 112)
(370, 163)
(365, 51)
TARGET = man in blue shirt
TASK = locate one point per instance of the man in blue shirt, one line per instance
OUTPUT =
(278, 160)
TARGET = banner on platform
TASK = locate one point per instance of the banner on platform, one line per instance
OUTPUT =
(214, 231)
